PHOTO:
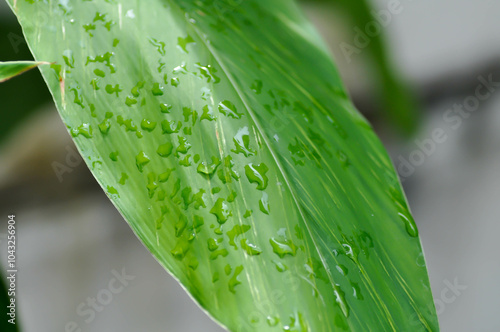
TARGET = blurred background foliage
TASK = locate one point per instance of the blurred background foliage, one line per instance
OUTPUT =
(23, 95)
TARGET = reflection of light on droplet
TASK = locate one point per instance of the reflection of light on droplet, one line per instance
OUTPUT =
(130, 13)
(411, 227)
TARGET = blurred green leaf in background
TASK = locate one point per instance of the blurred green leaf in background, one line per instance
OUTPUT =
(395, 100)
(12, 69)
(15, 110)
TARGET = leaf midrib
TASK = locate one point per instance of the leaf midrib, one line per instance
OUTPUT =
(268, 145)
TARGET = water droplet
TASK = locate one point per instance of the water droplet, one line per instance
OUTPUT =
(163, 177)
(176, 188)
(112, 192)
(257, 174)
(250, 249)
(165, 150)
(351, 250)
(113, 89)
(283, 247)
(109, 115)
(104, 126)
(114, 155)
(105, 58)
(157, 89)
(264, 203)
(130, 101)
(123, 179)
(69, 60)
(344, 161)
(232, 196)
(85, 129)
(99, 17)
(233, 282)
(109, 24)
(185, 161)
(421, 260)
(411, 227)
(183, 147)
(180, 69)
(242, 141)
(160, 46)
(99, 73)
(212, 244)
(256, 86)
(152, 184)
(183, 42)
(356, 291)
(206, 94)
(161, 65)
(221, 211)
(280, 266)
(228, 109)
(129, 125)
(208, 169)
(188, 112)
(208, 114)
(340, 300)
(297, 324)
(342, 269)
(180, 249)
(175, 82)
(165, 108)
(226, 172)
(272, 320)
(298, 232)
(170, 127)
(148, 125)
(221, 252)
(237, 230)
(193, 263)
(180, 225)
(88, 28)
(198, 221)
(95, 84)
(208, 72)
(135, 90)
(141, 160)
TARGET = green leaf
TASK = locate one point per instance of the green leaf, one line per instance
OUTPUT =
(223, 134)
(12, 69)
(398, 104)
